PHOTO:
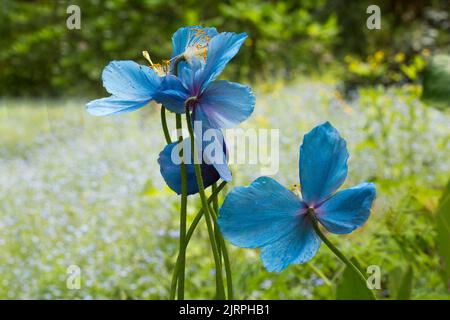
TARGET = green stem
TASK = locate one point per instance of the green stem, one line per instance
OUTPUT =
(183, 215)
(208, 214)
(164, 125)
(226, 259)
(336, 251)
(320, 274)
(189, 234)
(181, 261)
(226, 262)
(216, 230)
(200, 213)
(216, 199)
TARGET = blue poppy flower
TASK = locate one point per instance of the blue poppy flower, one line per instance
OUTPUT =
(266, 215)
(218, 104)
(132, 86)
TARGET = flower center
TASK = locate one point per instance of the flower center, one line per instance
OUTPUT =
(190, 102)
(197, 46)
(160, 69)
(310, 211)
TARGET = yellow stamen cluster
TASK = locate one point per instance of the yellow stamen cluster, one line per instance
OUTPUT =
(161, 69)
(197, 45)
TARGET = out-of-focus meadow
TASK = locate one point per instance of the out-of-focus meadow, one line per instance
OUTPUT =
(86, 191)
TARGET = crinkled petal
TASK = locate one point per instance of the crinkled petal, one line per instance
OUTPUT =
(113, 105)
(296, 247)
(213, 144)
(170, 168)
(129, 80)
(226, 104)
(348, 209)
(172, 94)
(190, 74)
(186, 36)
(221, 49)
(132, 86)
(260, 214)
(323, 163)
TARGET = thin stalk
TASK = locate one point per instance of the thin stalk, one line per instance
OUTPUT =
(226, 260)
(208, 214)
(189, 234)
(216, 199)
(181, 261)
(200, 212)
(183, 214)
(336, 251)
(320, 274)
(216, 230)
(164, 125)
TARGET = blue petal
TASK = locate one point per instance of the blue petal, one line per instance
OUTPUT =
(347, 209)
(171, 170)
(129, 80)
(221, 49)
(113, 105)
(190, 76)
(226, 104)
(297, 247)
(188, 35)
(132, 86)
(172, 94)
(323, 163)
(260, 214)
(214, 140)
(213, 145)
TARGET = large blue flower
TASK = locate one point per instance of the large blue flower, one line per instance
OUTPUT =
(266, 215)
(218, 104)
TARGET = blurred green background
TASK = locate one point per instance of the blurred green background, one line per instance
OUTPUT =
(39, 56)
(86, 191)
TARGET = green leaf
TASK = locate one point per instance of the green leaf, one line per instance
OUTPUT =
(443, 234)
(436, 81)
(351, 286)
(406, 286)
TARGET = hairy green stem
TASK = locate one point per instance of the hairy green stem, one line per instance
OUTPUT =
(183, 214)
(335, 250)
(164, 125)
(181, 261)
(320, 274)
(189, 234)
(216, 230)
(216, 199)
(226, 260)
(208, 215)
